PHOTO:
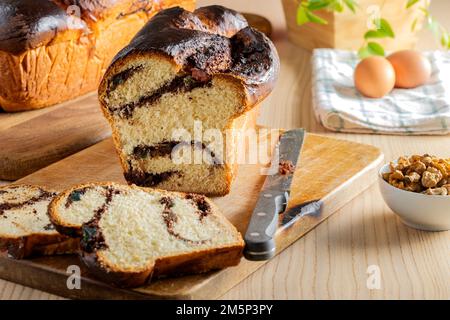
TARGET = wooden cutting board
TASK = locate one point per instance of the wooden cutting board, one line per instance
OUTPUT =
(31, 140)
(334, 171)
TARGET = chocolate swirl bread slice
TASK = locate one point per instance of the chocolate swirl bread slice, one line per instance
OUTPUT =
(181, 83)
(129, 234)
(25, 228)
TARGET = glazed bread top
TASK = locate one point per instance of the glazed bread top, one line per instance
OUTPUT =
(213, 40)
(28, 24)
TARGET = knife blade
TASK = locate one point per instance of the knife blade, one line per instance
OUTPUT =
(260, 235)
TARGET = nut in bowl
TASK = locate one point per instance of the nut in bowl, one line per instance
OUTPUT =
(417, 189)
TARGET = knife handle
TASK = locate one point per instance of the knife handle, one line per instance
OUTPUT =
(260, 235)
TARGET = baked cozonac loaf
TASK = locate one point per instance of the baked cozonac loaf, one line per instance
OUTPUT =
(25, 228)
(184, 70)
(55, 50)
(130, 233)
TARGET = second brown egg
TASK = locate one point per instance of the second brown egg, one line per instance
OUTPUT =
(412, 68)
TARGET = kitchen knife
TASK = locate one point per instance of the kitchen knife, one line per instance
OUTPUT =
(273, 198)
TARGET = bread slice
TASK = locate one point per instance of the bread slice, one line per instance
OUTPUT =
(131, 233)
(25, 228)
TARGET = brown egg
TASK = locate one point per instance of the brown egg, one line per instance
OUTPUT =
(412, 68)
(374, 77)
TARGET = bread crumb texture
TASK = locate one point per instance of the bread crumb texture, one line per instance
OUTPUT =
(138, 226)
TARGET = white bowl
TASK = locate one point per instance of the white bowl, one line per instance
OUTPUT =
(416, 210)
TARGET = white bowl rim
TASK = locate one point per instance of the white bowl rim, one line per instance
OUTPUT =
(428, 196)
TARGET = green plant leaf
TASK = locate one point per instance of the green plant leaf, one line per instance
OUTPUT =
(385, 28)
(445, 40)
(351, 4)
(411, 3)
(315, 18)
(302, 17)
(374, 34)
(317, 4)
(375, 49)
(424, 11)
(384, 31)
(363, 52)
(414, 25)
(371, 49)
(337, 6)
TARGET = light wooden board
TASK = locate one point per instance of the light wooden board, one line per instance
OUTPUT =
(334, 171)
(32, 140)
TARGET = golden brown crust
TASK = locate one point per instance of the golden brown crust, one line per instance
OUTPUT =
(190, 263)
(58, 66)
(116, 278)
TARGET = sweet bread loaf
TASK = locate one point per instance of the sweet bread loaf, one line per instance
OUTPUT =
(25, 228)
(184, 69)
(129, 234)
(55, 50)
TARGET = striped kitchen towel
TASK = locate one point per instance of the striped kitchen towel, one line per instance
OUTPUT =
(340, 107)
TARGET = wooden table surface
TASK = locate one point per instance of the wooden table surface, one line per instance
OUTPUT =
(332, 261)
